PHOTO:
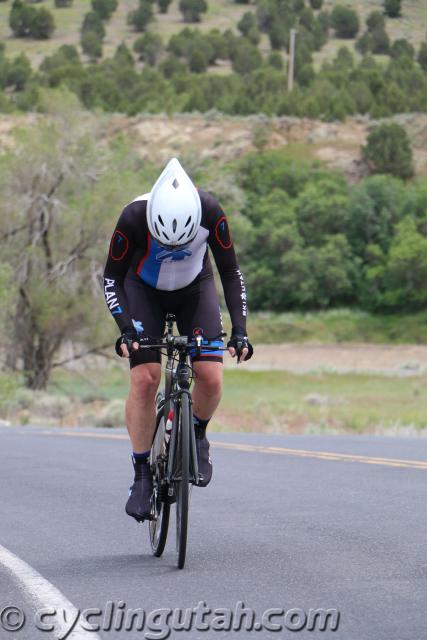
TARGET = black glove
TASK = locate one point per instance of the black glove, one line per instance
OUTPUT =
(128, 337)
(240, 342)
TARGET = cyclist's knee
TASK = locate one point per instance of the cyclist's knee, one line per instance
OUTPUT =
(209, 376)
(145, 379)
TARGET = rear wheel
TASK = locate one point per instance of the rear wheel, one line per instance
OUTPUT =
(160, 508)
(182, 482)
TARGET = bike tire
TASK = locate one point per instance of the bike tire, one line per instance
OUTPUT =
(182, 486)
(158, 527)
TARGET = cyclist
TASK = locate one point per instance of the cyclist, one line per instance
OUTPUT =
(158, 263)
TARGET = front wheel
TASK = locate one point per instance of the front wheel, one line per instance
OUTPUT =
(182, 479)
(160, 508)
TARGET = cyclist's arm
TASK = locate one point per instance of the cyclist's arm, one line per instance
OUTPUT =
(122, 247)
(232, 279)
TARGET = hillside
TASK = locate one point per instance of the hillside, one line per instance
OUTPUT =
(222, 14)
(157, 138)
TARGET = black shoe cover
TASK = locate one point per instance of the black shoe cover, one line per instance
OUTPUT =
(204, 462)
(139, 504)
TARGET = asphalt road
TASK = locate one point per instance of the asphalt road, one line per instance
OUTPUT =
(283, 525)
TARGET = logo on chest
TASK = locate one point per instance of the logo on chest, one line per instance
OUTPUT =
(173, 256)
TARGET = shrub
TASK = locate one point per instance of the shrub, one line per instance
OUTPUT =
(388, 150)
(104, 8)
(25, 21)
(246, 23)
(365, 43)
(402, 48)
(18, 73)
(380, 41)
(93, 23)
(91, 44)
(345, 21)
(275, 60)
(316, 4)
(142, 16)
(422, 56)
(392, 8)
(172, 66)
(219, 44)
(43, 24)
(123, 56)
(148, 47)
(375, 21)
(192, 9)
(278, 36)
(306, 19)
(20, 18)
(197, 60)
(63, 3)
(246, 58)
(163, 5)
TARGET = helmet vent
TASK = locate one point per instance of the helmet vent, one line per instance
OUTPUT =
(191, 230)
(175, 184)
(174, 225)
(167, 238)
(188, 222)
(181, 237)
(161, 221)
(156, 228)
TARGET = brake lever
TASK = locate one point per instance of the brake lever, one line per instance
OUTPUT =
(239, 349)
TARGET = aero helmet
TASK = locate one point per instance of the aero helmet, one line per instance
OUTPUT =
(174, 209)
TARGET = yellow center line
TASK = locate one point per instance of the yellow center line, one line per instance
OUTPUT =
(251, 448)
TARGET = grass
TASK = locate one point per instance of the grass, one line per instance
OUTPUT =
(342, 325)
(280, 402)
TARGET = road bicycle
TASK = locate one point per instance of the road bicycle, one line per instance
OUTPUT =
(173, 457)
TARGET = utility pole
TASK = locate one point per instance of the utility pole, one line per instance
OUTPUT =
(291, 65)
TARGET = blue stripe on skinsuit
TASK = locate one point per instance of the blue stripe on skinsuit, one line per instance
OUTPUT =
(151, 267)
(214, 343)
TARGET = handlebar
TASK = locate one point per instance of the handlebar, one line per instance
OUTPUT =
(184, 343)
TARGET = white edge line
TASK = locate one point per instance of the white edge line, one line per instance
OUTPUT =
(45, 595)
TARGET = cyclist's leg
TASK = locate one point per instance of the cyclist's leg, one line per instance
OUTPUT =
(145, 370)
(200, 311)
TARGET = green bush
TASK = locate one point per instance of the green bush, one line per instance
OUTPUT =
(18, 73)
(402, 49)
(149, 47)
(140, 18)
(316, 4)
(246, 23)
(275, 60)
(93, 23)
(388, 150)
(25, 20)
(20, 18)
(63, 3)
(345, 21)
(163, 5)
(380, 41)
(278, 36)
(375, 20)
(104, 8)
(192, 9)
(365, 44)
(91, 44)
(246, 58)
(197, 61)
(392, 8)
(43, 25)
(422, 56)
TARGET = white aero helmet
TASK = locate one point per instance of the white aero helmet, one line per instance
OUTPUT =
(174, 210)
